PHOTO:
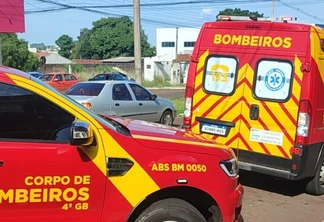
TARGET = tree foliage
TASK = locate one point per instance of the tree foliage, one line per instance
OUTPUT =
(66, 45)
(239, 12)
(15, 53)
(108, 38)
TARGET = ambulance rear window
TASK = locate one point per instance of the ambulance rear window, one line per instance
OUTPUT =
(220, 74)
(272, 80)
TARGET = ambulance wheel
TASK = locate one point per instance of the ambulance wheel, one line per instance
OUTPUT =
(171, 210)
(167, 118)
(316, 185)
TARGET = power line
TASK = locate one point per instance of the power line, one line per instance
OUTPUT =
(299, 10)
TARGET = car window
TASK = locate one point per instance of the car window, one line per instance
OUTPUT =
(47, 77)
(99, 77)
(220, 75)
(28, 116)
(68, 77)
(85, 89)
(273, 80)
(59, 77)
(116, 76)
(140, 93)
(120, 92)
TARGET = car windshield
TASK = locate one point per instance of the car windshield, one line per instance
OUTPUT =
(84, 109)
(85, 89)
(116, 76)
(47, 77)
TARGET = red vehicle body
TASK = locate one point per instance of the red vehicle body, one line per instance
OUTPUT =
(61, 162)
(257, 87)
(60, 81)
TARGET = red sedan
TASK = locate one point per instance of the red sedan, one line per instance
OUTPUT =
(60, 81)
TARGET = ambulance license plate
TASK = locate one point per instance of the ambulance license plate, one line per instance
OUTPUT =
(213, 129)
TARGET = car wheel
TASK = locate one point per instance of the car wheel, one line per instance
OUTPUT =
(171, 210)
(316, 185)
(167, 118)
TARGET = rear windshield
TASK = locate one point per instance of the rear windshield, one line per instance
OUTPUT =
(47, 77)
(85, 89)
(118, 77)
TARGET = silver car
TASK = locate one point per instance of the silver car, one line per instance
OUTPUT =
(124, 99)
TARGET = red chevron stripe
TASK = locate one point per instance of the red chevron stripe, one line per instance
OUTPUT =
(245, 143)
(211, 108)
(294, 99)
(198, 88)
(201, 101)
(288, 113)
(266, 128)
(278, 122)
(298, 79)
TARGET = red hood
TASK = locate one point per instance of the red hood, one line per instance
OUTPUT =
(155, 135)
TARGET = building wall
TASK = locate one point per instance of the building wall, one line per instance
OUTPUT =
(151, 68)
(167, 37)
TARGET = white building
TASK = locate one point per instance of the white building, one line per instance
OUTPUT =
(173, 41)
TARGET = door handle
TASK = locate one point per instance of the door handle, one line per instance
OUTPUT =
(254, 112)
(141, 104)
(116, 104)
(1, 163)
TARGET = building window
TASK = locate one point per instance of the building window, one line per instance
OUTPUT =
(167, 44)
(189, 44)
(148, 66)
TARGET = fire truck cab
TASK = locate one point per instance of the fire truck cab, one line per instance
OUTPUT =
(256, 85)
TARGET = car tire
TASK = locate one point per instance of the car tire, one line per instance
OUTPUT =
(316, 185)
(172, 209)
(166, 118)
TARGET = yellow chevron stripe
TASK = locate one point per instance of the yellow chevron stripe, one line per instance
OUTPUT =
(298, 64)
(136, 178)
(202, 59)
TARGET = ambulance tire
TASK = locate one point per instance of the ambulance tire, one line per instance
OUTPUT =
(316, 185)
(172, 209)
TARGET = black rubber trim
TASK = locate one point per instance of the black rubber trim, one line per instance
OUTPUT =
(216, 122)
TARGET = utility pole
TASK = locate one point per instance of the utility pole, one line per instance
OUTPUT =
(176, 45)
(272, 11)
(137, 42)
(0, 53)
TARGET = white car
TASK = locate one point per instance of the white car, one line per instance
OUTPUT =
(123, 98)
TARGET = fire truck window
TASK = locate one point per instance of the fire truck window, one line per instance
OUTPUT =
(28, 116)
(273, 80)
(220, 75)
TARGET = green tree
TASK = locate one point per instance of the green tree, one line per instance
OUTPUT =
(15, 53)
(239, 12)
(108, 38)
(66, 45)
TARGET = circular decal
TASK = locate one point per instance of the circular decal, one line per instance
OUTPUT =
(275, 79)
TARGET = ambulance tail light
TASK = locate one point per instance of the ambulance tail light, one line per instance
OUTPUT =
(87, 105)
(187, 114)
(303, 122)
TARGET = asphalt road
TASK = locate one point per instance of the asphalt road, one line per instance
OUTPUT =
(267, 199)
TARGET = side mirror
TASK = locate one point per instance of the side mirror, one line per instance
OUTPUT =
(153, 97)
(81, 134)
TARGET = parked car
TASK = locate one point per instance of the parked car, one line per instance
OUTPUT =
(36, 74)
(124, 99)
(111, 76)
(60, 81)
